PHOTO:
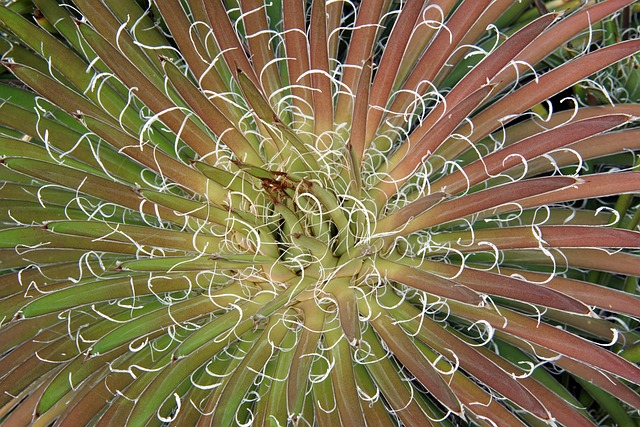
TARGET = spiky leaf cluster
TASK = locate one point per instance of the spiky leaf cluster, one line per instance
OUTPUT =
(315, 213)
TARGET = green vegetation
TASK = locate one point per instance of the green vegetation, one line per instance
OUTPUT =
(367, 213)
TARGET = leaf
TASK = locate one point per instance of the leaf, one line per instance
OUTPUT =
(132, 76)
(557, 340)
(24, 239)
(260, 47)
(157, 160)
(300, 370)
(438, 51)
(88, 401)
(409, 219)
(393, 388)
(555, 236)
(508, 287)
(178, 314)
(427, 282)
(346, 301)
(595, 185)
(521, 152)
(390, 63)
(550, 83)
(592, 259)
(93, 291)
(402, 165)
(66, 98)
(342, 375)
(564, 407)
(356, 67)
(323, 213)
(233, 390)
(231, 48)
(485, 72)
(586, 371)
(320, 71)
(86, 183)
(589, 293)
(212, 117)
(61, 57)
(401, 346)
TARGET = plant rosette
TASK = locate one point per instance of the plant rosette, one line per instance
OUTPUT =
(305, 213)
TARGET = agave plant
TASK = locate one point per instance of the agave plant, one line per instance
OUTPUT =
(315, 213)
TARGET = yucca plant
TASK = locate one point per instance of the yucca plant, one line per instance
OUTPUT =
(315, 212)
